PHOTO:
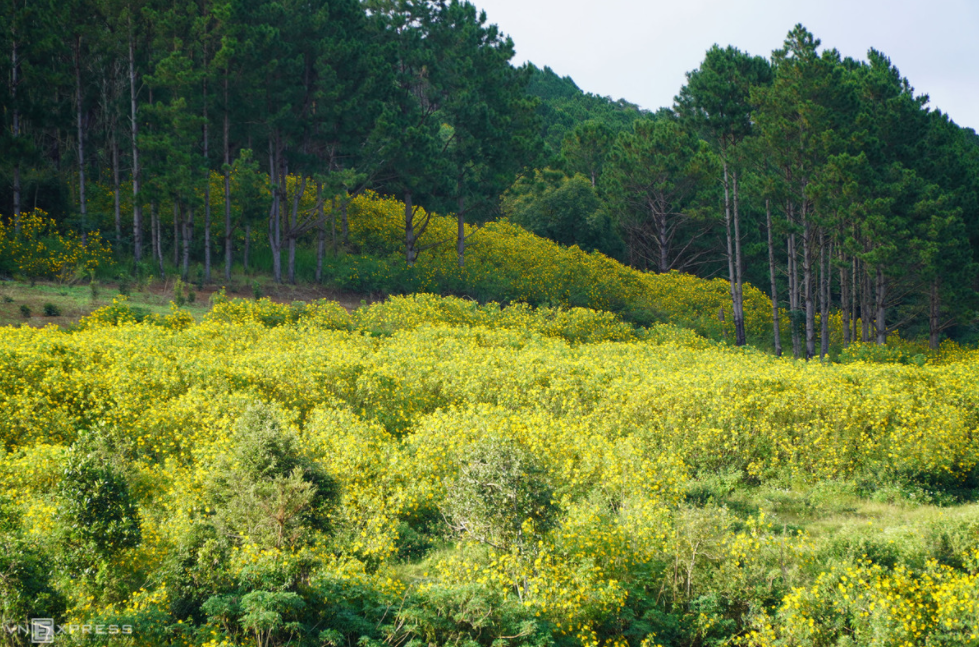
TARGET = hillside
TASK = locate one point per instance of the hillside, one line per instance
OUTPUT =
(563, 106)
(428, 469)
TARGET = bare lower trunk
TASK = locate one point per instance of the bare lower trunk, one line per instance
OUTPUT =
(664, 248)
(275, 230)
(115, 188)
(81, 136)
(248, 244)
(17, 197)
(187, 235)
(881, 318)
(771, 272)
(807, 283)
(824, 295)
(934, 316)
(320, 232)
(294, 229)
(461, 226)
(153, 230)
(137, 216)
(738, 267)
(156, 244)
(344, 225)
(854, 290)
(866, 313)
(176, 233)
(207, 194)
(411, 252)
(461, 236)
(227, 184)
(844, 302)
(732, 279)
(333, 221)
(794, 310)
(15, 114)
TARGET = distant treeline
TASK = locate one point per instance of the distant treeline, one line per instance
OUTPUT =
(150, 98)
(194, 129)
(825, 180)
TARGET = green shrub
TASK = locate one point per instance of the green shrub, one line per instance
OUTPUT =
(501, 496)
(25, 311)
(51, 310)
(265, 490)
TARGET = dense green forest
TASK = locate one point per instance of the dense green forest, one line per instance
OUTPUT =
(189, 134)
(567, 397)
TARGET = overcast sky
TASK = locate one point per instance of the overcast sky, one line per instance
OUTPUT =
(639, 50)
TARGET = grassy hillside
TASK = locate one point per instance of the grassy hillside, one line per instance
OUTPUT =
(432, 471)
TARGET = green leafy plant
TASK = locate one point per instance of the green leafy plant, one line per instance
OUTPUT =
(180, 293)
(51, 310)
(25, 310)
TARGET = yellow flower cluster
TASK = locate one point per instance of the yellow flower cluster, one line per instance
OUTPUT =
(36, 248)
(870, 604)
(388, 400)
(537, 270)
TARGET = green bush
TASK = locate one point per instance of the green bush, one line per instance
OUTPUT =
(51, 310)
(501, 496)
(264, 489)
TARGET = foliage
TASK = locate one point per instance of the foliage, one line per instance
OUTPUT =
(500, 496)
(35, 247)
(305, 469)
(263, 493)
(120, 313)
(97, 518)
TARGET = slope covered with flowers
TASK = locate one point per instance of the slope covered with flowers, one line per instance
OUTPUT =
(634, 436)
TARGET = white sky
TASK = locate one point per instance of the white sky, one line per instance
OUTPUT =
(639, 50)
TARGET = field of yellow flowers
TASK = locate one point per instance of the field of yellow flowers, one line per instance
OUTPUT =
(431, 471)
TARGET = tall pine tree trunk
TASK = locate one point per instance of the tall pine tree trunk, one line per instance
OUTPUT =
(15, 115)
(866, 312)
(227, 183)
(248, 245)
(824, 294)
(294, 229)
(274, 223)
(934, 315)
(137, 216)
(81, 137)
(156, 244)
(807, 281)
(844, 301)
(207, 187)
(729, 231)
(771, 271)
(115, 187)
(344, 226)
(461, 232)
(741, 336)
(664, 248)
(188, 233)
(154, 232)
(881, 315)
(853, 300)
(795, 320)
(176, 234)
(320, 232)
(411, 253)
(460, 224)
